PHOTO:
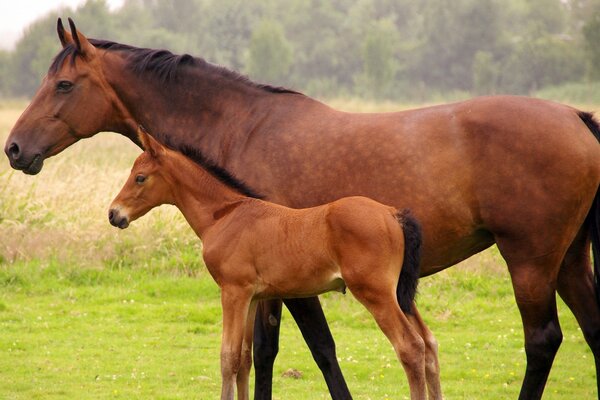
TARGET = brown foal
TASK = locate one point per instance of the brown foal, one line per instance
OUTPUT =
(257, 250)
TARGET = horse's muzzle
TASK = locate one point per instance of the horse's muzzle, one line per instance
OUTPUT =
(116, 219)
(19, 160)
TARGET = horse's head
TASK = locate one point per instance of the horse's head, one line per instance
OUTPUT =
(147, 186)
(73, 102)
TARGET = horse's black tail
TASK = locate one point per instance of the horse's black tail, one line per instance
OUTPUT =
(409, 276)
(593, 217)
(594, 226)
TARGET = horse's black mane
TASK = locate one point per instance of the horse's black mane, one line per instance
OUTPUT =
(163, 64)
(212, 168)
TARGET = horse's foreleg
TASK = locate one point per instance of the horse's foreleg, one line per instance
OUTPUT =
(432, 366)
(243, 375)
(534, 284)
(266, 346)
(309, 317)
(576, 287)
(235, 303)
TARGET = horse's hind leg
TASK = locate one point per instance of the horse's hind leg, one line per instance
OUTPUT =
(534, 284)
(432, 366)
(576, 287)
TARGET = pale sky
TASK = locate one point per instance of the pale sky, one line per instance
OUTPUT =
(17, 14)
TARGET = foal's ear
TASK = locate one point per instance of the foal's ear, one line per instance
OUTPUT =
(64, 36)
(84, 47)
(148, 142)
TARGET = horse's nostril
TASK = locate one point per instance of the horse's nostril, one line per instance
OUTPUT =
(111, 215)
(14, 151)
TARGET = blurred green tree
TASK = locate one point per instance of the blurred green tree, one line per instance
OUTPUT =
(378, 76)
(269, 54)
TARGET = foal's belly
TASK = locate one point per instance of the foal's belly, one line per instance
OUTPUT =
(307, 281)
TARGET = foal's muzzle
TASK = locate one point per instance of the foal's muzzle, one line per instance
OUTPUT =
(116, 219)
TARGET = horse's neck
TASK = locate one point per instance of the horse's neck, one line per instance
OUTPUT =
(190, 115)
(200, 196)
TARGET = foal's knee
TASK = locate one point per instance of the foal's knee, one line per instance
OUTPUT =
(230, 363)
(431, 353)
(542, 344)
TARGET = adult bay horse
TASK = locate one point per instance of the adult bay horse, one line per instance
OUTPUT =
(256, 250)
(519, 172)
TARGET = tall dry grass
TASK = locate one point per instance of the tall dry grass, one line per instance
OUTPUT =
(61, 213)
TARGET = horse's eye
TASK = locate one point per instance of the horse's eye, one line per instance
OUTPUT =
(140, 179)
(64, 86)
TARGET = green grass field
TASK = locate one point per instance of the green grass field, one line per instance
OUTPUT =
(91, 312)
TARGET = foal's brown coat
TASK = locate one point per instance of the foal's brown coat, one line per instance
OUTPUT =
(256, 250)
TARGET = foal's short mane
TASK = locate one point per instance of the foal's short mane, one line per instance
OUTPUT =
(220, 173)
(163, 64)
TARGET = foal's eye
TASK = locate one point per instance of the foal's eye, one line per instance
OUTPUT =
(64, 86)
(140, 179)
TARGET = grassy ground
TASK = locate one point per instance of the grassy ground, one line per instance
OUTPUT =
(91, 312)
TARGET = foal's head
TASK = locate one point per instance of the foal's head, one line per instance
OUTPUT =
(148, 185)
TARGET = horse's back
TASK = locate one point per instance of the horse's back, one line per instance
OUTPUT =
(470, 171)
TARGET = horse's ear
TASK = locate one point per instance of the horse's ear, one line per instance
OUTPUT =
(64, 36)
(149, 144)
(84, 47)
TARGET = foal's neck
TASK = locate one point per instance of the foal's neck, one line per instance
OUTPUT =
(199, 195)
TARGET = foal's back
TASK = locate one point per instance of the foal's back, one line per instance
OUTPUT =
(300, 252)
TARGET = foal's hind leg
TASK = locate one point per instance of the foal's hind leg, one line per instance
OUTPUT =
(576, 287)
(408, 344)
(534, 284)
(432, 366)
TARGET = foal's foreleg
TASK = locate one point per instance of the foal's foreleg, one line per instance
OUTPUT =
(235, 303)
(432, 366)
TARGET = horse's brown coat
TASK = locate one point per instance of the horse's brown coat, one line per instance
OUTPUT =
(515, 171)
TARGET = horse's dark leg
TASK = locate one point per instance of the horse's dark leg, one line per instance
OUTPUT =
(312, 323)
(266, 346)
(576, 287)
(534, 283)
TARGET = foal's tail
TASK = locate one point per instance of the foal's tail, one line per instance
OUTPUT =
(593, 217)
(409, 276)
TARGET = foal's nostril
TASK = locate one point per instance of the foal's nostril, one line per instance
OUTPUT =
(112, 216)
(14, 151)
